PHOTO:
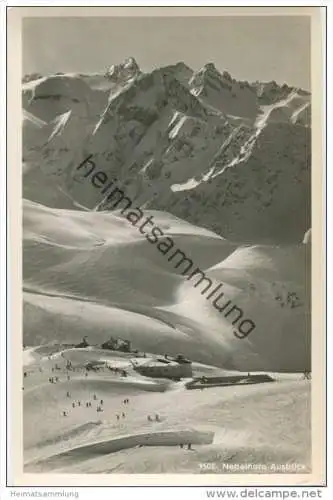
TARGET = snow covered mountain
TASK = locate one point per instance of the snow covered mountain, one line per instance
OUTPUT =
(231, 156)
(223, 278)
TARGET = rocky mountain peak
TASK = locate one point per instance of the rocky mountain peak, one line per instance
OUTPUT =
(123, 71)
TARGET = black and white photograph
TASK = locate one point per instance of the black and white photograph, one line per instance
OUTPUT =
(166, 244)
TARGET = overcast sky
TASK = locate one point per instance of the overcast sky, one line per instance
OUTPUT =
(250, 48)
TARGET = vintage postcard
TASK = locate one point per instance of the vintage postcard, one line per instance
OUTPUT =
(167, 271)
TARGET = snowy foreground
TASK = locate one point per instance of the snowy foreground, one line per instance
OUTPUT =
(251, 425)
(81, 279)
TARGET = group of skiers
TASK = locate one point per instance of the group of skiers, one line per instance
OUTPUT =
(156, 418)
(99, 406)
(88, 404)
(78, 404)
(123, 414)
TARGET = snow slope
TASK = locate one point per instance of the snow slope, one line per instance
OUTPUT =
(223, 168)
(80, 276)
(229, 425)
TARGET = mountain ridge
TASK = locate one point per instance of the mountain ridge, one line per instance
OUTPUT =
(190, 148)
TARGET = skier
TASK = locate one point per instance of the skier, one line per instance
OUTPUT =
(68, 394)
